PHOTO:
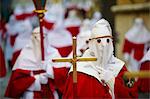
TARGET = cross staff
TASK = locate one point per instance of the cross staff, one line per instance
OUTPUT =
(74, 60)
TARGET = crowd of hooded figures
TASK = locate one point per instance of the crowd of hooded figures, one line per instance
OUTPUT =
(33, 78)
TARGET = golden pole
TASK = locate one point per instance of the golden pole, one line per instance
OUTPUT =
(140, 74)
(74, 60)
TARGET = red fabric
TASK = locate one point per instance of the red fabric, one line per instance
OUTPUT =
(137, 48)
(64, 51)
(89, 87)
(21, 80)
(121, 91)
(3, 28)
(74, 30)
(144, 83)
(2, 64)
(14, 57)
(48, 25)
(60, 75)
(45, 93)
(13, 39)
(24, 16)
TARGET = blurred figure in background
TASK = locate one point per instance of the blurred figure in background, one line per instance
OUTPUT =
(96, 16)
(19, 27)
(144, 83)
(30, 15)
(72, 23)
(61, 39)
(58, 36)
(83, 37)
(135, 44)
(54, 16)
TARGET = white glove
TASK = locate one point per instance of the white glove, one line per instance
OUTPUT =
(36, 86)
(42, 78)
(47, 66)
(39, 79)
(105, 75)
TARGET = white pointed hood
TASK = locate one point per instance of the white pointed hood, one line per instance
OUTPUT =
(101, 29)
(138, 32)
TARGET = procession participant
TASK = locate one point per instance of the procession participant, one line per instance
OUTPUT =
(103, 78)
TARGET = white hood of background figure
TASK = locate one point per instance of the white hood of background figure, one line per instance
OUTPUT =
(138, 33)
(83, 37)
(30, 56)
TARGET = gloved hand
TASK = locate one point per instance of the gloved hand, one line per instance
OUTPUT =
(104, 74)
(39, 79)
(107, 76)
(43, 79)
(47, 66)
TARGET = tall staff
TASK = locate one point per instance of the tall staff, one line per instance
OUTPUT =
(40, 10)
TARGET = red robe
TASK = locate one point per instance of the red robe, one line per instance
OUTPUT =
(21, 80)
(74, 30)
(64, 51)
(137, 48)
(48, 25)
(144, 83)
(60, 75)
(13, 39)
(89, 87)
(2, 64)
(14, 57)
(24, 16)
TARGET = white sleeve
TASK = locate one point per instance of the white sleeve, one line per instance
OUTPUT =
(49, 70)
(111, 84)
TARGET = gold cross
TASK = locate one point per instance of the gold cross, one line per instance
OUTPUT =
(74, 60)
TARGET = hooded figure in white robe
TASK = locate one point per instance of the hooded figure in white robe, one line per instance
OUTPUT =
(135, 44)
